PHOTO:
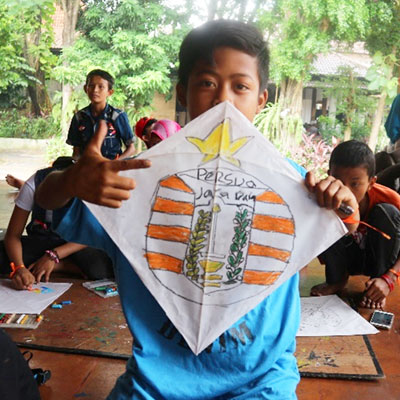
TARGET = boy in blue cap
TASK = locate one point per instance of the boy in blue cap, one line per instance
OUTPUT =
(219, 61)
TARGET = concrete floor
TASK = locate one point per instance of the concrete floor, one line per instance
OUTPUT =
(22, 159)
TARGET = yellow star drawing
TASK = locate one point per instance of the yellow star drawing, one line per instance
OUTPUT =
(218, 143)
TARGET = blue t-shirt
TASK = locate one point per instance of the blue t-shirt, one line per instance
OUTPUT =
(84, 124)
(253, 359)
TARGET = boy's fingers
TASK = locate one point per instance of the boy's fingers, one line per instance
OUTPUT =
(97, 140)
(47, 276)
(125, 165)
(39, 276)
(310, 181)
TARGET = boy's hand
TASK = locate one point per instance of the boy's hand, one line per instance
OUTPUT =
(43, 266)
(96, 179)
(331, 193)
(23, 279)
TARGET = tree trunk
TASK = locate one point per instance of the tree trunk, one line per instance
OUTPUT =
(291, 97)
(40, 101)
(347, 132)
(70, 9)
(376, 123)
(290, 102)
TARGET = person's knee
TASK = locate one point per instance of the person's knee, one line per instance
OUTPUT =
(94, 263)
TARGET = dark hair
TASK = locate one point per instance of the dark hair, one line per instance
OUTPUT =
(353, 153)
(201, 42)
(151, 121)
(103, 74)
(63, 162)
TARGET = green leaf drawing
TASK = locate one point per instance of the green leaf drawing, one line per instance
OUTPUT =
(239, 241)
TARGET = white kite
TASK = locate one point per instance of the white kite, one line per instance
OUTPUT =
(217, 223)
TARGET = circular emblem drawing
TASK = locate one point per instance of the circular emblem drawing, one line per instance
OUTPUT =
(211, 232)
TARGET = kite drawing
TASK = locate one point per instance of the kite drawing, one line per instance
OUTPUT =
(331, 316)
(224, 220)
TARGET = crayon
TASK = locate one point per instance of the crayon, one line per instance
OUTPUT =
(39, 318)
(20, 318)
(3, 318)
(111, 290)
(24, 319)
(10, 318)
(55, 305)
(100, 288)
(66, 302)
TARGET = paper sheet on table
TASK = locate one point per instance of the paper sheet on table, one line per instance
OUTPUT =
(29, 301)
(219, 221)
(331, 316)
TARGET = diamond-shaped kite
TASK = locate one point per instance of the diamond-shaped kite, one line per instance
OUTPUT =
(217, 223)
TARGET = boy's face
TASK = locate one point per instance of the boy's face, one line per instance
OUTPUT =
(98, 90)
(355, 178)
(233, 77)
(151, 140)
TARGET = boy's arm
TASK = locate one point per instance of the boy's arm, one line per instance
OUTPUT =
(22, 278)
(12, 239)
(331, 193)
(125, 131)
(93, 178)
(129, 151)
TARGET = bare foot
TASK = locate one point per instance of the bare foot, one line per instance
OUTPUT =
(366, 302)
(14, 182)
(325, 289)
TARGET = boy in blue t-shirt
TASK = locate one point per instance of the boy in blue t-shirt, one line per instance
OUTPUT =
(219, 61)
(98, 87)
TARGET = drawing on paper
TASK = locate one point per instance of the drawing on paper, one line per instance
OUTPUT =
(192, 208)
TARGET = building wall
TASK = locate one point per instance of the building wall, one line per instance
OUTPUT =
(164, 109)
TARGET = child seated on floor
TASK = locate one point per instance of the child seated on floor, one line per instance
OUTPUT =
(43, 249)
(374, 249)
(219, 61)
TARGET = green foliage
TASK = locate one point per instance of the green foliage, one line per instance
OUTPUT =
(355, 106)
(384, 34)
(136, 41)
(282, 129)
(20, 20)
(56, 147)
(380, 76)
(14, 124)
(305, 28)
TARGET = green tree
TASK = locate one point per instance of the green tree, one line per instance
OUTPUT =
(301, 29)
(70, 10)
(354, 103)
(27, 24)
(136, 41)
(383, 41)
